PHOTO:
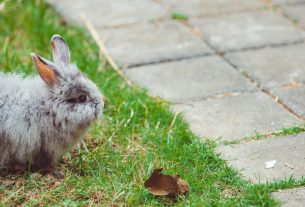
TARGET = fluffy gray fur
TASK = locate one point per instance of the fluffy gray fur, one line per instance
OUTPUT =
(39, 120)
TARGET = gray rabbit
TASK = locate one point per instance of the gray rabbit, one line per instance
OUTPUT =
(43, 117)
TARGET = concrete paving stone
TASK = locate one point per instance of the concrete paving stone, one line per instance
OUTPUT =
(190, 79)
(272, 67)
(154, 42)
(281, 70)
(291, 197)
(211, 8)
(287, 2)
(250, 158)
(293, 96)
(247, 30)
(296, 12)
(235, 117)
(105, 13)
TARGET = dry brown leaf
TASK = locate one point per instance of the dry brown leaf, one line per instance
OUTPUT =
(166, 185)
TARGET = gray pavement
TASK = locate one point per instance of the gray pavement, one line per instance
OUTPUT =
(251, 158)
(291, 197)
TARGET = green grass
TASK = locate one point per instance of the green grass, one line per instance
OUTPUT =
(293, 130)
(179, 16)
(136, 134)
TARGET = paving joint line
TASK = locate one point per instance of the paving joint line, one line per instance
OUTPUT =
(264, 90)
(170, 10)
(259, 86)
(268, 92)
(290, 18)
(221, 55)
(228, 13)
(213, 97)
(259, 137)
(254, 48)
(216, 52)
(169, 60)
(282, 103)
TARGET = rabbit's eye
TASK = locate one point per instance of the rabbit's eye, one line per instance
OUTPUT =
(82, 99)
(79, 99)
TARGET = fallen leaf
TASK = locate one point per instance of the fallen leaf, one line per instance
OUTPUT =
(166, 185)
(159, 184)
(270, 164)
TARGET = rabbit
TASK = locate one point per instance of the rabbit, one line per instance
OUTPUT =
(42, 117)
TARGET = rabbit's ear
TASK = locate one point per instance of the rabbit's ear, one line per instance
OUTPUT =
(61, 53)
(45, 69)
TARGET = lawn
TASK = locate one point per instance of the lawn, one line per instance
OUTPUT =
(136, 134)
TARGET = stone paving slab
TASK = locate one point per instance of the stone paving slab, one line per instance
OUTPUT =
(189, 79)
(272, 67)
(250, 158)
(146, 43)
(281, 70)
(247, 30)
(293, 96)
(210, 7)
(105, 13)
(291, 197)
(235, 117)
(296, 12)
